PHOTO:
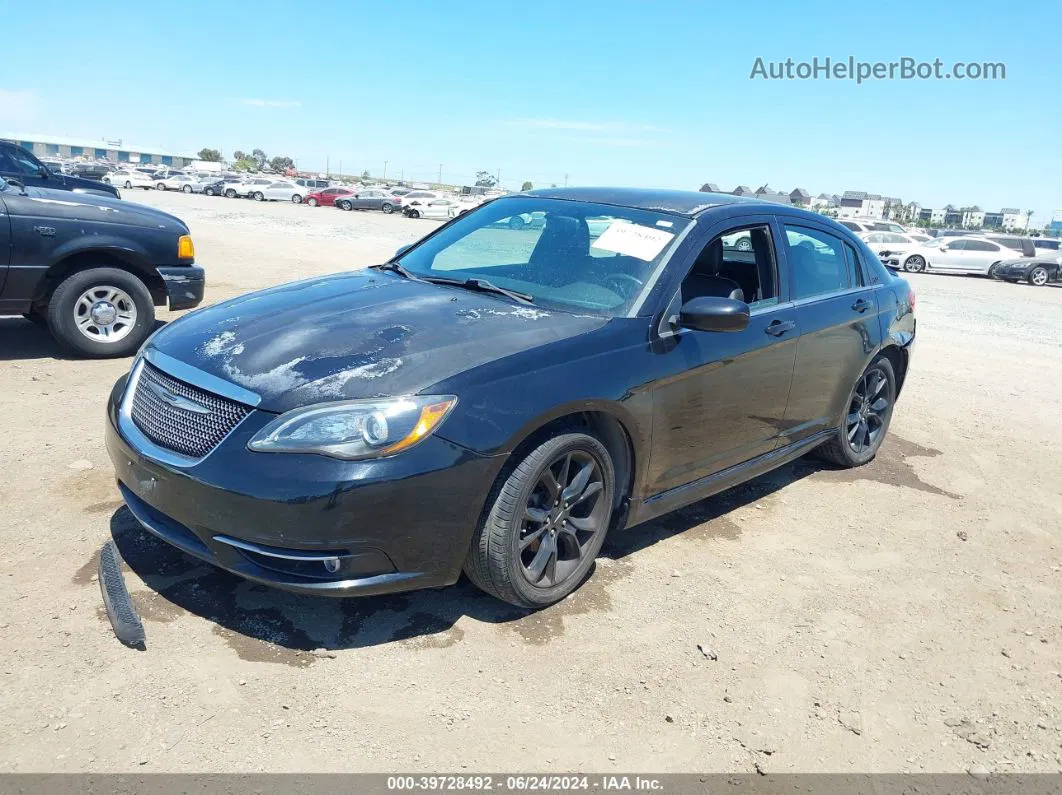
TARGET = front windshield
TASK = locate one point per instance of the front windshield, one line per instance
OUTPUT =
(567, 255)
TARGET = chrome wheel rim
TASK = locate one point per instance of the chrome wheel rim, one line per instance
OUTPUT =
(1039, 278)
(105, 314)
(565, 512)
(868, 411)
(913, 265)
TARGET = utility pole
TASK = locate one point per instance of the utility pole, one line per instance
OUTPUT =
(566, 180)
(385, 170)
(328, 165)
(497, 178)
(440, 174)
(340, 168)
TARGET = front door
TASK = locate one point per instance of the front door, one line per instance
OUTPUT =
(721, 397)
(838, 324)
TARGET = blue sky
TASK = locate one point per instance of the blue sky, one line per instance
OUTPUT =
(639, 93)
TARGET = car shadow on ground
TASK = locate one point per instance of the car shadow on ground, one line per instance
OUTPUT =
(24, 340)
(268, 624)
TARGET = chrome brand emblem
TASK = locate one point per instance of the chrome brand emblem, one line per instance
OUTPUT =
(175, 400)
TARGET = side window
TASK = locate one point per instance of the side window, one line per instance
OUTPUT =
(737, 264)
(817, 261)
(877, 237)
(855, 266)
(957, 245)
(22, 162)
(850, 225)
(981, 245)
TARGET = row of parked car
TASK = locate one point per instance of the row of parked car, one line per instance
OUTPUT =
(1012, 258)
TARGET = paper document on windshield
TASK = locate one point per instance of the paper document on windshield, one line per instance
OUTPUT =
(634, 240)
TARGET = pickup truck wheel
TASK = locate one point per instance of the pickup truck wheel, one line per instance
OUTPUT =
(101, 313)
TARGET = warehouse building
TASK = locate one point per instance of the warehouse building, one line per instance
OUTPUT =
(113, 150)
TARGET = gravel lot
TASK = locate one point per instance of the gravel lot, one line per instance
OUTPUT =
(905, 616)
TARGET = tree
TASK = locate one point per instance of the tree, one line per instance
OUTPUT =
(238, 155)
(526, 186)
(259, 157)
(245, 163)
(281, 164)
(484, 179)
(365, 174)
(210, 155)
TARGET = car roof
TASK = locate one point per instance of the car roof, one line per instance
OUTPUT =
(677, 202)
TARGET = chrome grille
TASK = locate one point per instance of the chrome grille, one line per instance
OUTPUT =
(190, 431)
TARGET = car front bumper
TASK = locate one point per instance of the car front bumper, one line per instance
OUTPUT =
(309, 523)
(185, 286)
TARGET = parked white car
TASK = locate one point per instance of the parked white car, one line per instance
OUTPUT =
(965, 254)
(435, 208)
(280, 190)
(415, 197)
(129, 178)
(182, 182)
(894, 243)
(247, 187)
(859, 225)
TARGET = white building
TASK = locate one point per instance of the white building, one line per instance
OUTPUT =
(857, 204)
(113, 149)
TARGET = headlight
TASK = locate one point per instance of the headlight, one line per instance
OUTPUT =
(355, 429)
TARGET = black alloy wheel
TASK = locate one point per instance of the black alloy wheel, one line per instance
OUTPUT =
(866, 417)
(547, 522)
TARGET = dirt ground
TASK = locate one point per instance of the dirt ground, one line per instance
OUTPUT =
(906, 616)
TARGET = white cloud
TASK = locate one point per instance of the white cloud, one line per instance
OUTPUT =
(254, 102)
(586, 126)
(17, 107)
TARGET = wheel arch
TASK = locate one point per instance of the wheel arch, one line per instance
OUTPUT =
(898, 357)
(107, 257)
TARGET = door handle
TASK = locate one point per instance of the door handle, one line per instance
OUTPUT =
(862, 305)
(779, 327)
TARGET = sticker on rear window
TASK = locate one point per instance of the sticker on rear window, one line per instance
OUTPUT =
(634, 240)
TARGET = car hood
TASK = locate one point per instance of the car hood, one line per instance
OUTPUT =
(96, 207)
(357, 335)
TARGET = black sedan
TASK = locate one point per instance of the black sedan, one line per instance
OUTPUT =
(1035, 271)
(495, 399)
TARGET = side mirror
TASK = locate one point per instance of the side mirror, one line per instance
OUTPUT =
(402, 250)
(708, 313)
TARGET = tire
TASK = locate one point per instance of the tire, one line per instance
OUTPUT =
(915, 264)
(496, 563)
(67, 301)
(128, 185)
(414, 213)
(159, 186)
(296, 199)
(312, 202)
(230, 194)
(744, 244)
(517, 222)
(346, 206)
(187, 189)
(387, 207)
(844, 453)
(208, 191)
(1038, 276)
(258, 196)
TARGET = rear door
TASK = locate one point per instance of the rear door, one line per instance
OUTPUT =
(5, 246)
(981, 254)
(837, 312)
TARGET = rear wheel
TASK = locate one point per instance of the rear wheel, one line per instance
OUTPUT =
(101, 312)
(992, 270)
(159, 185)
(387, 207)
(1038, 276)
(187, 188)
(866, 419)
(914, 264)
(296, 199)
(547, 522)
(258, 196)
(230, 194)
(128, 185)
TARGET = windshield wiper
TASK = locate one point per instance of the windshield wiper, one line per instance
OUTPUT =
(396, 267)
(483, 286)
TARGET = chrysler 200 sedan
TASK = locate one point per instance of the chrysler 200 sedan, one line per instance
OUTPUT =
(497, 397)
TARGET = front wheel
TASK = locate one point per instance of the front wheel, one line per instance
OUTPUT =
(312, 202)
(101, 313)
(187, 188)
(866, 418)
(128, 185)
(346, 206)
(992, 271)
(1038, 276)
(414, 213)
(160, 186)
(258, 196)
(547, 522)
(914, 264)
(230, 194)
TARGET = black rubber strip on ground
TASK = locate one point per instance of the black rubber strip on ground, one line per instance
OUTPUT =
(124, 619)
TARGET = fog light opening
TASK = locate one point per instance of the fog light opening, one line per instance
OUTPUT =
(331, 565)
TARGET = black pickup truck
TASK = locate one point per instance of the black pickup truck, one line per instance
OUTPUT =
(92, 268)
(17, 163)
